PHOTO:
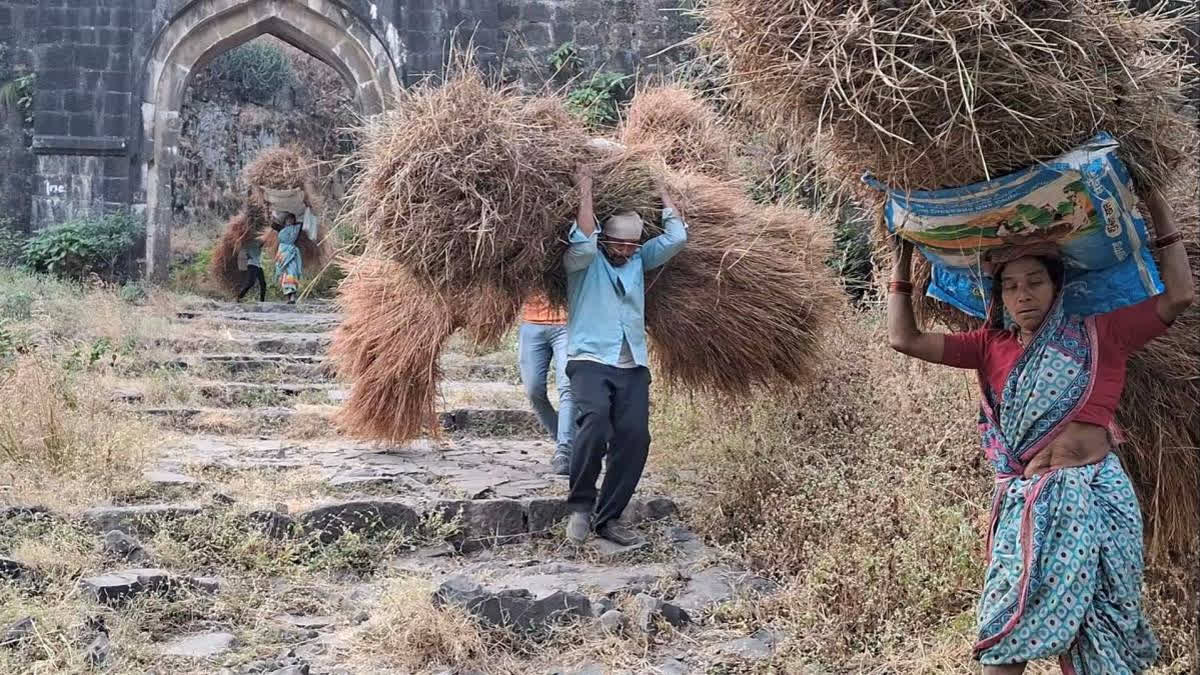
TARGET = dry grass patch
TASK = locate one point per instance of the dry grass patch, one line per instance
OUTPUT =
(63, 442)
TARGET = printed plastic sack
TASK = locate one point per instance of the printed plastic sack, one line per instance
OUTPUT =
(1083, 202)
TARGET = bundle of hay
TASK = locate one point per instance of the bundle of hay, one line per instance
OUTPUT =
(936, 93)
(744, 302)
(1160, 408)
(467, 182)
(390, 341)
(685, 131)
(223, 266)
(283, 169)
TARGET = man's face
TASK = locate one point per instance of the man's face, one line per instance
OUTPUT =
(619, 251)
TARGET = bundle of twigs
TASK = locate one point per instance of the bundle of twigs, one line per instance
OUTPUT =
(935, 93)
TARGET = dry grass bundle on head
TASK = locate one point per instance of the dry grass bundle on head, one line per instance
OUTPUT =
(934, 93)
(467, 182)
(284, 169)
(744, 303)
(223, 267)
(1160, 407)
(684, 130)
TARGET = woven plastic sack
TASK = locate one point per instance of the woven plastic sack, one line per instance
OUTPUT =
(1082, 202)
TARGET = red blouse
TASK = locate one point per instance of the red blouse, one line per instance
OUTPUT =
(994, 353)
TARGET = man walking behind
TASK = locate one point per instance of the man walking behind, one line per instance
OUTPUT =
(607, 361)
(544, 337)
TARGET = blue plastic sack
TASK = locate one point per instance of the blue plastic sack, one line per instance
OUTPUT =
(1083, 202)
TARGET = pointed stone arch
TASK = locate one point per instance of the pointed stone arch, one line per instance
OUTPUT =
(203, 30)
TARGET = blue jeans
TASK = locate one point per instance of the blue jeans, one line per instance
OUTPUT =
(539, 344)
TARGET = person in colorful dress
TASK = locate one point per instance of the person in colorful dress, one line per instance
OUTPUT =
(543, 337)
(1065, 562)
(287, 210)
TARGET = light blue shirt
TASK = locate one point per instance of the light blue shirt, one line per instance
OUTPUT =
(606, 305)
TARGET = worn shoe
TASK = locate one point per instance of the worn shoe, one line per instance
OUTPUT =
(561, 465)
(619, 534)
(579, 526)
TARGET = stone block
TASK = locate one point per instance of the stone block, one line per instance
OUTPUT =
(650, 609)
(536, 11)
(118, 59)
(57, 56)
(120, 545)
(272, 523)
(331, 521)
(78, 101)
(52, 124)
(515, 609)
(58, 79)
(541, 514)
(82, 124)
(94, 57)
(134, 520)
(485, 522)
(13, 570)
(114, 125)
(116, 103)
(115, 81)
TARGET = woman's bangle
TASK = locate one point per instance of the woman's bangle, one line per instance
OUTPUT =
(900, 287)
(1165, 241)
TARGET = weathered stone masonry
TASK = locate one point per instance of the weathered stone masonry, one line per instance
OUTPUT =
(111, 76)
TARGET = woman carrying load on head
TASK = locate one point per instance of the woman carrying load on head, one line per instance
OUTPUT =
(1064, 571)
(288, 210)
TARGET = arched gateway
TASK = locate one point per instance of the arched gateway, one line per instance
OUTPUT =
(202, 30)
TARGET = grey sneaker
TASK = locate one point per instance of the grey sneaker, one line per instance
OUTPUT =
(579, 526)
(618, 533)
(561, 465)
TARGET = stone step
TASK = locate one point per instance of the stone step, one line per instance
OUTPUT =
(253, 394)
(480, 522)
(316, 368)
(517, 423)
(305, 344)
(302, 307)
(260, 323)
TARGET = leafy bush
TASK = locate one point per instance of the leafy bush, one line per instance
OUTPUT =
(597, 100)
(253, 72)
(81, 248)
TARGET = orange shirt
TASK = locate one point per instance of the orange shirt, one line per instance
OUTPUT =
(539, 311)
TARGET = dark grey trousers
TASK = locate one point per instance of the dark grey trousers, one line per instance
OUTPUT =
(612, 416)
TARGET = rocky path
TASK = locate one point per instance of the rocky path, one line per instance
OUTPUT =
(478, 511)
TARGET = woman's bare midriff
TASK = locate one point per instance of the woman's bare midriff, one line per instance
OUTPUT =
(1078, 445)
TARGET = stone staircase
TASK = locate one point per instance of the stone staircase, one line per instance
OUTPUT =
(269, 408)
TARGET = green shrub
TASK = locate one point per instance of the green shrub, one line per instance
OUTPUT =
(597, 100)
(133, 293)
(80, 248)
(253, 72)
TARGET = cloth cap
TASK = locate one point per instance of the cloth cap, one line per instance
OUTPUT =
(288, 201)
(627, 225)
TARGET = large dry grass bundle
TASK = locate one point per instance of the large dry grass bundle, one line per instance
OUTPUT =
(390, 341)
(466, 181)
(684, 130)
(223, 266)
(934, 93)
(388, 344)
(1160, 408)
(744, 303)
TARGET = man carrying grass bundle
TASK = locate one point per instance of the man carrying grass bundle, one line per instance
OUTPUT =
(607, 359)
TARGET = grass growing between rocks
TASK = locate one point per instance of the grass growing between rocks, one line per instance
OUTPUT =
(866, 495)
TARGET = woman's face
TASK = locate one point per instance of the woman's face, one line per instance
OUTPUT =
(1027, 291)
